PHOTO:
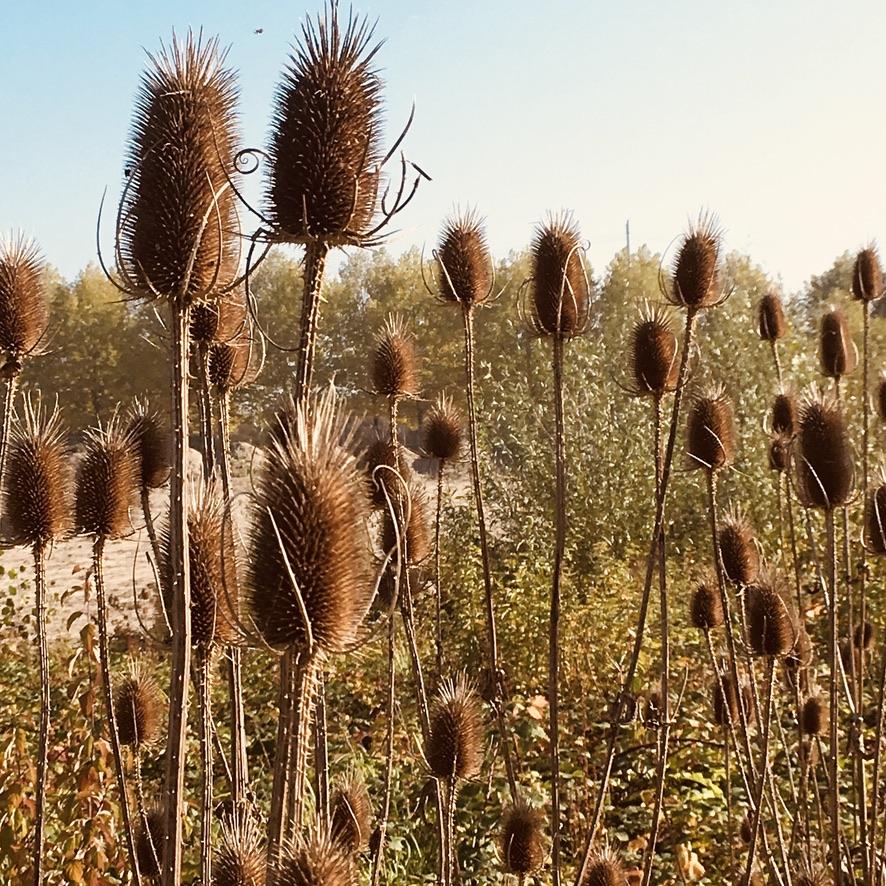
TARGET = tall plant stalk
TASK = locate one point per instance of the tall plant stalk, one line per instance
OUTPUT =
(8, 400)
(833, 653)
(39, 554)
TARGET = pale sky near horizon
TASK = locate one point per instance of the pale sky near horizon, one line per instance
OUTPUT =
(768, 113)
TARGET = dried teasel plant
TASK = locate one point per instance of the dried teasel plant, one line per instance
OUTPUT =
(350, 821)
(695, 272)
(150, 840)
(771, 325)
(739, 555)
(654, 354)
(867, 275)
(772, 628)
(522, 839)
(825, 469)
(706, 609)
(241, 859)
(837, 353)
(138, 707)
(814, 716)
(875, 518)
(785, 414)
(314, 861)
(710, 431)
(463, 263)
(727, 703)
(394, 368)
(605, 868)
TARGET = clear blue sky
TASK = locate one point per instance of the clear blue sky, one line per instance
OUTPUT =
(769, 113)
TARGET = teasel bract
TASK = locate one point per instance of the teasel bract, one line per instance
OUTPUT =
(24, 317)
(308, 574)
(177, 241)
(37, 512)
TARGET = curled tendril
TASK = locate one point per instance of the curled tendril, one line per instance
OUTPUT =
(249, 160)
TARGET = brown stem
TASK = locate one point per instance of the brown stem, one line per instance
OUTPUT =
(315, 265)
(283, 776)
(205, 410)
(307, 675)
(8, 400)
(438, 569)
(832, 664)
(203, 674)
(45, 701)
(378, 854)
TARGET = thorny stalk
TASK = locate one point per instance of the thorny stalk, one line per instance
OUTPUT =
(42, 754)
(8, 400)
(833, 652)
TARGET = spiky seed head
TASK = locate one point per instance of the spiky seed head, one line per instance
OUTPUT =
(455, 741)
(864, 635)
(824, 463)
(138, 708)
(107, 482)
(695, 275)
(178, 236)
(37, 503)
(146, 429)
(24, 308)
(875, 520)
(242, 859)
(771, 626)
(654, 354)
(711, 432)
(604, 869)
(881, 397)
(219, 320)
(386, 470)
(442, 431)
(738, 548)
(325, 148)
(409, 521)
(149, 841)
(780, 454)
(867, 275)
(463, 262)
(351, 814)
(726, 701)
(785, 415)
(213, 570)
(706, 610)
(770, 317)
(522, 840)
(309, 524)
(394, 363)
(316, 861)
(813, 877)
(814, 716)
(558, 287)
(236, 363)
(836, 350)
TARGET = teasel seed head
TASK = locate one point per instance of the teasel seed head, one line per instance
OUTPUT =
(145, 428)
(242, 858)
(455, 742)
(711, 431)
(149, 841)
(138, 706)
(867, 275)
(325, 148)
(706, 611)
(836, 350)
(654, 354)
(386, 470)
(351, 814)
(771, 626)
(310, 519)
(814, 716)
(522, 840)
(315, 861)
(409, 521)
(770, 318)
(442, 431)
(219, 320)
(463, 262)
(813, 877)
(875, 519)
(559, 292)
(738, 548)
(178, 236)
(695, 275)
(37, 502)
(24, 308)
(864, 636)
(785, 415)
(604, 869)
(394, 363)
(107, 482)
(746, 831)
(824, 462)
(780, 454)
(236, 363)
(726, 701)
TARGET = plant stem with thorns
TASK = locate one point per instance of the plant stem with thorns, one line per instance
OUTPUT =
(39, 552)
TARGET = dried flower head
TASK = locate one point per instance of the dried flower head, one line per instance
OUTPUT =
(780, 454)
(37, 506)
(875, 520)
(738, 548)
(455, 742)
(824, 462)
(149, 841)
(236, 363)
(219, 320)
(867, 276)
(242, 858)
(315, 861)
(771, 626)
(145, 428)
(785, 415)
(706, 610)
(310, 548)
(178, 229)
(726, 701)
(695, 276)
(710, 440)
(107, 482)
(464, 265)
(770, 317)
(864, 635)
(836, 350)
(604, 869)
(325, 148)
(406, 520)
(24, 309)
(394, 363)
(442, 431)
(746, 830)
(559, 291)
(814, 716)
(138, 707)
(654, 354)
(522, 841)
(351, 814)
(386, 470)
